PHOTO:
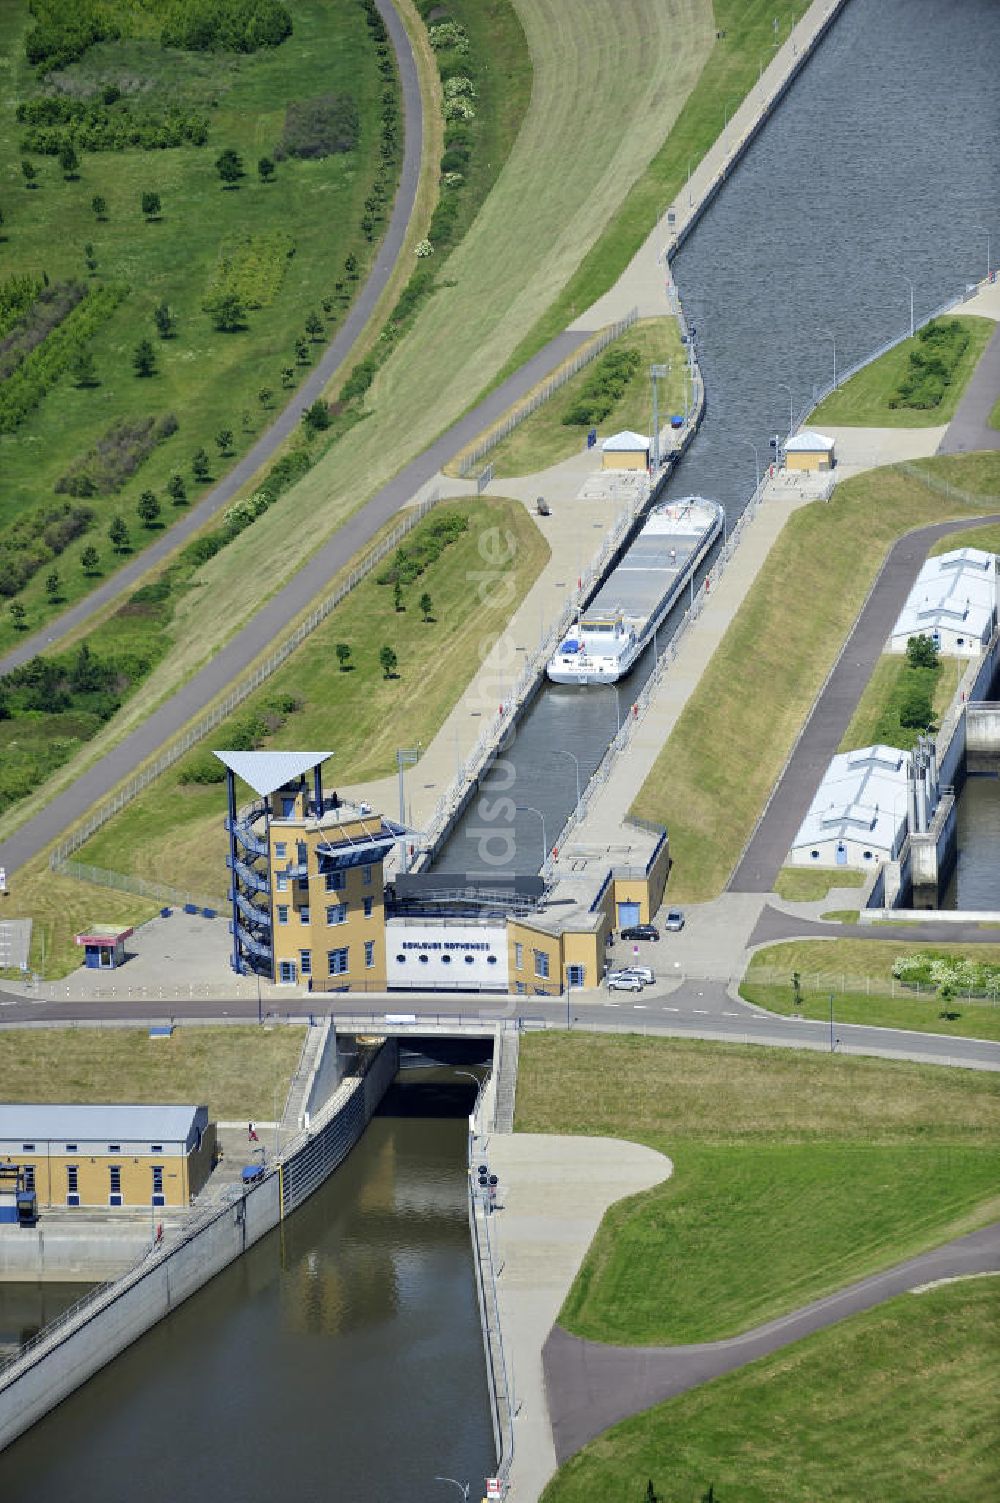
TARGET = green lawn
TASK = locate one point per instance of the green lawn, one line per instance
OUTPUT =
(237, 1072)
(800, 884)
(543, 439)
(995, 414)
(793, 1174)
(863, 401)
(898, 1404)
(876, 720)
(857, 973)
(774, 657)
(176, 826)
(209, 380)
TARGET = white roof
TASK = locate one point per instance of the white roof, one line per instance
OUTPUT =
(265, 771)
(954, 592)
(809, 442)
(862, 797)
(625, 442)
(94, 1124)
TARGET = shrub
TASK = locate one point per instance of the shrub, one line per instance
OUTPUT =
(916, 710)
(422, 548)
(922, 652)
(34, 540)
(319, 127)
(454, 159)
(449, 36)
(604, 388)
(225, 25)
(116, 456)
(32, 323)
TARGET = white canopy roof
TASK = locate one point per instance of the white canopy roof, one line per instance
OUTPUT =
(809, 442)
(626, 442)
(265, 771)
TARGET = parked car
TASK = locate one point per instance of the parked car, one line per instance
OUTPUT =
(623, 981)
(674, 920)
(640, 931)
(643, 972)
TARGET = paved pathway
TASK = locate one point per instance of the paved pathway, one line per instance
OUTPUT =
(970, 428)
(288, 420)
(837, 701)
(591, 1386)
(774, 925)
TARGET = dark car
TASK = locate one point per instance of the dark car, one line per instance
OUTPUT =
(640, 931)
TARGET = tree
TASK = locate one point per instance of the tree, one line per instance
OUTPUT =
(90, 559)
(229, 166)
(265, 168)
(227, 312)
(916, 710)
(52, 585)
(387, 661)
(118, 535)
(30, 173)
(176, 490)
(302, 350)
(99, 206)
(397, 596)
(922, 652)
(90, 260)
(150, 205)
(224, 439)
(796, 991)
(343, 652)
(2, 235)
(288, 375)
(17, 614)
(144, 358)
(200, 466)
(651, 1492)
(69, 161)
(317, 417)
(426, 605)
(351, 266)
(314, 325)
(148, 509)
(85, 675)
(82, 369)
(164, 321)
(264, 396)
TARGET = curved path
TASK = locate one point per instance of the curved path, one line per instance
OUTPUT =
(830, 716)
(287, 421)
(590, 1386)
(775, 925)
(970, 428)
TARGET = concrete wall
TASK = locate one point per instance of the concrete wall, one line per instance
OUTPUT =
(64, 1251)
(64, 1359)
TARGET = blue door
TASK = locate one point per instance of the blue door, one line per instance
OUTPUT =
(841, 853)
(628, 914)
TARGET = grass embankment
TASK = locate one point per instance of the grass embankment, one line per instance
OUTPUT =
(546, 437)
(800, 884)
(995, 414)
(876, 721)
(176, 825)
(794, 1174)
(898, 1404)
(857, 973)
(873, 398)
(238, 1073)
(712, 777)
(730, 71)
(303, 224)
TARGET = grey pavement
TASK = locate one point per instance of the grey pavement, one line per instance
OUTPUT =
(768, 847)
(590, 1386)
(970, 428)
(775, 925)
(287, 421)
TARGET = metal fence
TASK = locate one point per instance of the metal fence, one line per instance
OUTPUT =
(517, 414)
(160, 892)
(220, 712)
(842, 983)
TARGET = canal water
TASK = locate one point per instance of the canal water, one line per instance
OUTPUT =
(26, 1308)
(879, 166)
(975, 879)
(341, 1358)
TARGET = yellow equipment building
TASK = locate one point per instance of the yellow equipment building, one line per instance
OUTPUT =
(111, 1156)
(625, 451)
(809, 451)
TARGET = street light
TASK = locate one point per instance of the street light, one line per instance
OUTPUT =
(561, 752)
(463, 1487)
(725, 128)
(910, 280)
(984, 231)
(530, 809)
(756, 455)
(406, 756)
(791, 416)
(829, 334)
(690, 200)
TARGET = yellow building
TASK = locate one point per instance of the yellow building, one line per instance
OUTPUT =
(114, 1156)
(809, 450)
(625, 451)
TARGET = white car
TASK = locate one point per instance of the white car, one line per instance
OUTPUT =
(623, 981)
(643, 972)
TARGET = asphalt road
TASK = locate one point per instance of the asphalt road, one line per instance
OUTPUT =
(695, 1009)
(830, 716)
(774, 925)
(287, 420)
(590, 1386)
(970, 428)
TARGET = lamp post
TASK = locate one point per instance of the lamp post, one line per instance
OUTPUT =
(791, 416)
(756, 457)
(725, 128)
(829, 334)
(530, 809)
(910, 281)
(690, 200)
(984, 231)
(406, 756)
(831, 1024)
(561, 752)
